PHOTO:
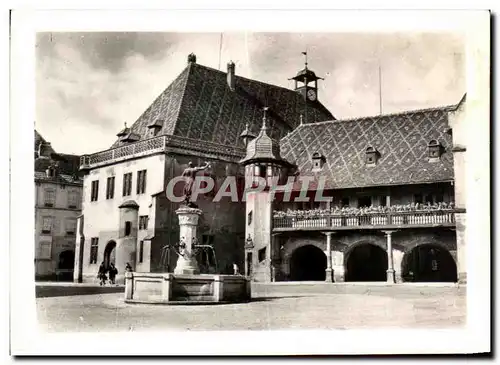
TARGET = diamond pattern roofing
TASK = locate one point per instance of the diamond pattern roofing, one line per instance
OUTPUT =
(199, 104)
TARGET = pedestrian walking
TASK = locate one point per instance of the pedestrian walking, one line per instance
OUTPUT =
(101, 274)
(112, 273)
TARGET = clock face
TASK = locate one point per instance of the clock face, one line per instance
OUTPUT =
(311, 95)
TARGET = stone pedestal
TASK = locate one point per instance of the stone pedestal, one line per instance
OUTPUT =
(188, 223)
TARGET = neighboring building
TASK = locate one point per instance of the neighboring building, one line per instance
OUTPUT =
(376, 170)
(202, 116)
(208, 115)
(58, 192)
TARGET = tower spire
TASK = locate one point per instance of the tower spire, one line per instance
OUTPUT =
(264, 118)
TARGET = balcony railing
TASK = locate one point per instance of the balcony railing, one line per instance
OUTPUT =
(367, 221)
(155, 145)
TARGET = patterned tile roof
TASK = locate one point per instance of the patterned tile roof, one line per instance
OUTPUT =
(401, 140)
(68, 165)
(200, 105)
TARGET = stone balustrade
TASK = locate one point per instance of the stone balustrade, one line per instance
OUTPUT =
(374, 220)
(155, 145)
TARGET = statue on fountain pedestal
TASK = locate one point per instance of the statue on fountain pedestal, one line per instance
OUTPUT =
(189, 175)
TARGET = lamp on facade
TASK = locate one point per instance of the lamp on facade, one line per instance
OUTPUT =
(249, 242)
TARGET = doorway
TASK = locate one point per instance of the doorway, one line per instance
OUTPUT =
(109, 254)
(308, 263)
(366, 262)
(429, 263)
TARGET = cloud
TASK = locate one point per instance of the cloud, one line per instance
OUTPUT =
(89, 84)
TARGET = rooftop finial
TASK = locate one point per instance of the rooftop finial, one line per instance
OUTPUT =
(125, 123)
(305, 54)
(264, 118)
(301, 119)
(191, 58)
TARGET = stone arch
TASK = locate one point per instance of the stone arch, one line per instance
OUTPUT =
(296, 242)
(378, 241)
(291, 244)
(418, 240)
(431, 261)
(308, 263)
(109, 253)
(366, 261)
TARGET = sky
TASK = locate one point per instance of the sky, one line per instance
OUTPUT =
(89, 84)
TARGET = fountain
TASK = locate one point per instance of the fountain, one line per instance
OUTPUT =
(186, 285)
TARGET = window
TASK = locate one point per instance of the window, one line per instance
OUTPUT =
(94, 245)
(143, 222)
(128, 228)
(44, 250)
(72, 199)
(250, 216)
(262, 254)
(141, 251)
(94, 193)
(417, 198)
(371, 156)
(70, 226)
(127, 184)
(364, 201)
(110, 188)
(435, 149)
(49, 197)
(318, 161)
(141, 182)
(47, 225)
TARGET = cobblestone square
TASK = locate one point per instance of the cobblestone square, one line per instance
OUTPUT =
(274, 307)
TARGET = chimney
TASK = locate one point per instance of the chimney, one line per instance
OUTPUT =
(230, 75)
(191, 58)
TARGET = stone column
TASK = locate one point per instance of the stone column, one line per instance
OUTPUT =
(391, 277)
(188, 222)
(338, 266)
(461, 248)
(398, 261)
(329, 271)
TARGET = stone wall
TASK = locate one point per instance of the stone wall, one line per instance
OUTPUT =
(343, 243)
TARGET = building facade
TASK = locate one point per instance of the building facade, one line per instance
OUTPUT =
(394, 207)
(395, 182)
(58, 192)
(203, 115)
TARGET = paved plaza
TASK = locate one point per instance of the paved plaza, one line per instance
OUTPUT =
(274, 307)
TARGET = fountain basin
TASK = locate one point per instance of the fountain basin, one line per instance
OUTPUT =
(168, 288)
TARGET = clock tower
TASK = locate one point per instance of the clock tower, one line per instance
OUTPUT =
(306, 83)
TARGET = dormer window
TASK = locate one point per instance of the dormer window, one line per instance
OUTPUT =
(155, 127)
(371, 156)
(318, 161)
(435, 150)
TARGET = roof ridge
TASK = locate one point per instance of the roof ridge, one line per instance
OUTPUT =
(263, 83)
(188, 70)
(445, 107)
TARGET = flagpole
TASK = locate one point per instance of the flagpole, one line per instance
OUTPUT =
(220, 48)
(380, 87)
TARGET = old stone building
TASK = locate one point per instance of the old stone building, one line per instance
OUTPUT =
(396, 186)
(395, 207)
(58, 192)
(203, 115)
